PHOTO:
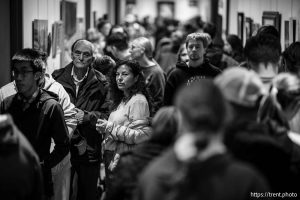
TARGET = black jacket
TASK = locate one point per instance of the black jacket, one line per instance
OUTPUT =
(92, 99)
(20, 171)
(183, 74)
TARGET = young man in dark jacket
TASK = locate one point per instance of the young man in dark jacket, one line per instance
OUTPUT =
(37, 113)
(197, 67)
(88, 92)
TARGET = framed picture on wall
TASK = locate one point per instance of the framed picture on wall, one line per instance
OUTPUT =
(248, 27)
(240, 25)
(40, 34)
(272, 18)
(166, 9)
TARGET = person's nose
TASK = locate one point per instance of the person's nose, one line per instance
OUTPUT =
(81, 56)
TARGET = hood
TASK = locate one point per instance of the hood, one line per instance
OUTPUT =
(48, 81)
(46, 95)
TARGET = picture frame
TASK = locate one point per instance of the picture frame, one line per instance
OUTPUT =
(57, 37)
(40, 35)
(272, 18)
(240, 25)
(248, 27)
(286, 33)
(166, 9)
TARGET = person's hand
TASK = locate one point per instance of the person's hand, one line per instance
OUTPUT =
(79, 115)
(101, 125)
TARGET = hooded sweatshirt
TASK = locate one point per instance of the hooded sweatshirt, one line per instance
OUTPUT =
(185, 75)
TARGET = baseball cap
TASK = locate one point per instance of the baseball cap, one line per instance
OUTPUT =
(240, 86)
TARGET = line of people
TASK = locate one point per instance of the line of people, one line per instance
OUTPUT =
(216, 134)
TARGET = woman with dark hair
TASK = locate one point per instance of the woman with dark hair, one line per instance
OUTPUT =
(233, 47)
(128, 123)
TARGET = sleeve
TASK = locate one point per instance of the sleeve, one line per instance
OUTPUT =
(156, 85)
(91, 117)
(59, 133)
(170, 90)
(138, 129)
(68, 109)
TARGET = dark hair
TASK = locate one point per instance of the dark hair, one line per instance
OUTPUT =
(211, 29)
(263, 49)
(101, 24)
(35, 57)
(139, 87)
(291, 57)
(202, 106)
(104, 64)
(268, 30)
(235, 43)
(165, 126)
(118, 40)
(116, 26)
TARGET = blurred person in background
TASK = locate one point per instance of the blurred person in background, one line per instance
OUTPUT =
(198, 165)
(233, 46)
(141, 50)
(21, 175)
(214, 50)
(291, 63)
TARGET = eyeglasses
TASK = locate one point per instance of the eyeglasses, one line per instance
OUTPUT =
(77, 54)
(15, 73)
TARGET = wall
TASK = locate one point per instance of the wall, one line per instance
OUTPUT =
(182, 9)
(5, 42)
(100, 7)
(255, 8)
(49, 10)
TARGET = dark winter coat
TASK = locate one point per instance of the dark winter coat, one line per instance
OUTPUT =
(92, 99)
(185, 75)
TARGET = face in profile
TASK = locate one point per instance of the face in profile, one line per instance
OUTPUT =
(227, 47)
(184, 55)
(125, 78)
(195, 50)
(82, 54)
(136, 50)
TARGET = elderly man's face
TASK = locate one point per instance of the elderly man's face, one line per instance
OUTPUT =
(195, 50)
(82, 54)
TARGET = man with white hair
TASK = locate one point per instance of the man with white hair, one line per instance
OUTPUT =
(88, 92)
(195, 69)
(141, 50)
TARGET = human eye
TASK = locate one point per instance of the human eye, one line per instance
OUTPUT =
(86, 54)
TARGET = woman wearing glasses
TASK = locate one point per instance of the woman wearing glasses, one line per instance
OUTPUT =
(128, 123)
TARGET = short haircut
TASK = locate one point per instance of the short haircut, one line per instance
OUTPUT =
(118, 40)
(263, 49)
(146, 44)
(81, 40)
(211, 29)
(202, 106)
(104, 64)
(35, 57)
(203, 37)
(165, 126)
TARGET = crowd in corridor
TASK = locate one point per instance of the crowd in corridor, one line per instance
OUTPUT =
(147, 112)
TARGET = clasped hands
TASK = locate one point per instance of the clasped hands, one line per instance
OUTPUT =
(101, 125)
